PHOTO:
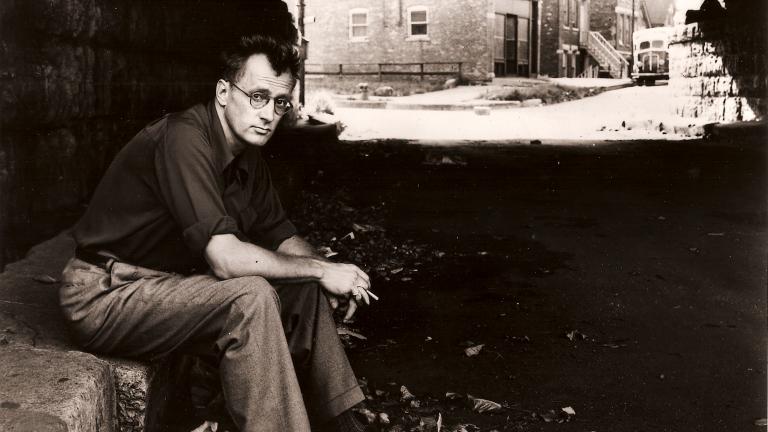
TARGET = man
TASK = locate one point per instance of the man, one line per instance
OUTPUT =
(186, 248)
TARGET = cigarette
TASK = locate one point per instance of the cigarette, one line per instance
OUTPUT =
(375, 297)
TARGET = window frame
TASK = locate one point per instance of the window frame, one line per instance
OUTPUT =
(410, 22)
(352, 25)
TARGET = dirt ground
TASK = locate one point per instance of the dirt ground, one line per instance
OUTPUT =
(626, 281)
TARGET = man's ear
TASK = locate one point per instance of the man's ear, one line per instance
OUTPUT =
(222, 92)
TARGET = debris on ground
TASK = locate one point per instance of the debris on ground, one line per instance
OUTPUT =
(394, 408)
(473, 350)
(356, 234)
(575, 335)
(483, 405)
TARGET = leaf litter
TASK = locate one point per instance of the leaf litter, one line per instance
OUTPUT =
(349, 234)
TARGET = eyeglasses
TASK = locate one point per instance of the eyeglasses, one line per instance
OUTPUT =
(260, 100)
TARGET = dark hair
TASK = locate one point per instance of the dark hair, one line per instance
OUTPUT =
(269, 29)
(283, 56)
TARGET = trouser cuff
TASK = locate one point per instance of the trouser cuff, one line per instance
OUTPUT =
(338, 405)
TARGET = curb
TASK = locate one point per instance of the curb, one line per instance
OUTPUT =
(343, 103)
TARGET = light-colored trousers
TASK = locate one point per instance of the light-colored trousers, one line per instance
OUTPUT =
(272, 342)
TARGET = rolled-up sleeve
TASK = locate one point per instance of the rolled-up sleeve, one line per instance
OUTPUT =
(190, 187)
(271, 225)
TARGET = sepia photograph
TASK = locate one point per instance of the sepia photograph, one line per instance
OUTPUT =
(383, 215)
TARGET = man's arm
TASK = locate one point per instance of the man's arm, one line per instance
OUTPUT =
(230, 258)
(297, 246)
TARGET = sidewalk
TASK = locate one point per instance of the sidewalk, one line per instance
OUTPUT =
(468, 97)
(626, 113)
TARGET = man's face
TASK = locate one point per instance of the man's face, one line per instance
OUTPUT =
(254, 126)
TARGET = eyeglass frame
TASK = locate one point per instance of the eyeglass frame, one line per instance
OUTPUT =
(266, 97)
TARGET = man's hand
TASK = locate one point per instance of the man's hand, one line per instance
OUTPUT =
(345, 282)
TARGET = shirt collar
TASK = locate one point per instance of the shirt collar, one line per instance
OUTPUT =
(223, 154)
(234, 168)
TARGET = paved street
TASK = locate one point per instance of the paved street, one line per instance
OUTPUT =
(641, 110)
(626, 281)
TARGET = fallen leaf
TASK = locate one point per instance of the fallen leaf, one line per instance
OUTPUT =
(326, 251)
(568, 410)
(439, 422)
(350, 235)
(397, 270)
(453, 396)
(364, 228)
(208, 426)
(45, 279)
(761, 422)
(575, 334)
(473, 350)
(464, 428)
(370, 417)
(383, 418)
(406, 395)
(341, 330)
(548, 417)
(483, 405)
(612, 345)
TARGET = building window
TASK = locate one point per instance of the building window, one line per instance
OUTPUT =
(522, 46)
(619, 30)
(418, 22)
(628, 32)
(564, 12)
(358, 24)
(573, 13)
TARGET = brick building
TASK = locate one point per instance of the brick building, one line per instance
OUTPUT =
(613, 20)
(486, 36)
(564, 29)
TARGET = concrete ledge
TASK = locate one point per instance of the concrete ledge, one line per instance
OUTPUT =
(47, 390)
(47, 383)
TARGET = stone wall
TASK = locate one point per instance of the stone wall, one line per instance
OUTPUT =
(459, 31)
(718, 70)
(80, 77)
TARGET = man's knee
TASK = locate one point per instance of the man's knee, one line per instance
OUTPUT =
(254, 291)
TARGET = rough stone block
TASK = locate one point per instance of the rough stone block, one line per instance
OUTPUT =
(142, 392)
(482, 110)
(46, 390)
(532, 102)
(384, 91)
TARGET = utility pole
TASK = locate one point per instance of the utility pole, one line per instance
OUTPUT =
(631, 41)
(303, 42)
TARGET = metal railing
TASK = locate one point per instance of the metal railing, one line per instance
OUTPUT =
(607, 55)
(381, 69)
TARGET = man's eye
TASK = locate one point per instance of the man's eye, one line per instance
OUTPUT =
(282, 102)
(259, 97)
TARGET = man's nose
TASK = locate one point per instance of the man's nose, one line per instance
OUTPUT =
(267, 112)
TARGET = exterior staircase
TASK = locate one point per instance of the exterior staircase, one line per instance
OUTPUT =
(607, 56)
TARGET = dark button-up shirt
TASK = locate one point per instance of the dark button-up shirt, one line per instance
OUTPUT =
(172, 187)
